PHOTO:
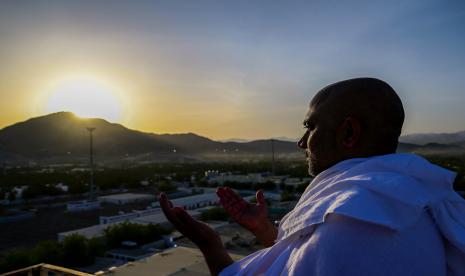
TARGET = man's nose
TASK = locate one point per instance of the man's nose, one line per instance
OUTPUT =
(303, 141)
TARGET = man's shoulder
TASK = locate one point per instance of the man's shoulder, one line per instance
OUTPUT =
(346, 242)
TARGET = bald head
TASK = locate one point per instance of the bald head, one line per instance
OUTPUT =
(357, 117)
(372, 102)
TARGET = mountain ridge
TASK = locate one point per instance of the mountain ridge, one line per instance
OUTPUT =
(63, 137)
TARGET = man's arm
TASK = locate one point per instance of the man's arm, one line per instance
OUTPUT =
(253, 217)
(208, 241)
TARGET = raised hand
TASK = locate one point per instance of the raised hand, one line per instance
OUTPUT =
(253, 217)
(208, 241)
(198, 232)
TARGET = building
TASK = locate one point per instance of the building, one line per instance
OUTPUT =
(125, 198)
(99, 229)
(221, 178)
(174, 261)
(194, 202)
(85, 205)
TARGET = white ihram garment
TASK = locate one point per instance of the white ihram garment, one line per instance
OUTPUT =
(386, 215)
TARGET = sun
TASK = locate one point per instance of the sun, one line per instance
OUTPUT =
(87, 98)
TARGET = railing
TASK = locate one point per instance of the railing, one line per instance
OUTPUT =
(45, 270)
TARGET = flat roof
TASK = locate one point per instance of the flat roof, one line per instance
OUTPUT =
(127, 196)
(174, 261)
(97, 230)
(192, 199)
(158, 218)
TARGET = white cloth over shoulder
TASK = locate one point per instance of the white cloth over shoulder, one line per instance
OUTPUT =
(392, 199)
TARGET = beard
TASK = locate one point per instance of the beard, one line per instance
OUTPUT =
(313, 167)
(319, 161)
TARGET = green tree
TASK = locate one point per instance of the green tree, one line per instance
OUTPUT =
(268, 185)
(97, 246)
(50, 252)
(215, 213)
(166, 186)
(12, 195)
(287, 196)
(76, 251)
(16, 259)
(301, 187)
(138, 233)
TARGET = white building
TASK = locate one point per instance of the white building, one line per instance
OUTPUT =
(125, 198)
(221, 178)
(85, 205)
(194, 202)
(62, 187)
(99, 229)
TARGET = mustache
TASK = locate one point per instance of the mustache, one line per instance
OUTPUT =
(307, 156)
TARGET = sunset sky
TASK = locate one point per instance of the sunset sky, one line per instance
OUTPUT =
(227, 69)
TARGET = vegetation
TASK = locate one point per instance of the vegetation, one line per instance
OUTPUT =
(453, 163)
(166, 186)
(215, 213)
(74, 251)
(287, 196)
(126, 231)
(78, 251)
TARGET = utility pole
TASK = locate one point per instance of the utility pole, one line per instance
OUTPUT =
(273, 168)
(91, 164)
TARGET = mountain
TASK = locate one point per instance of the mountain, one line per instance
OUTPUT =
(442, 138)
(64, 137)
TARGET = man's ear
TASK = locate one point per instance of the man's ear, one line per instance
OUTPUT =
(350, 132)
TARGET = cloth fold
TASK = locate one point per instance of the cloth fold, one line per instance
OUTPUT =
(390, 190)
(395, 192)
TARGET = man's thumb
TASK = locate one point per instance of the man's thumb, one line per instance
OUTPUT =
(260, 198)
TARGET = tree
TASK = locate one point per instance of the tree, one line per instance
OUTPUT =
(97, 247)
(50, 252)
(268, 185)
(216, 213)
(138, 233)
(301, 187)
(287, 196)
(16, 259)
(76, 251)
(165, 186)
(12, 195)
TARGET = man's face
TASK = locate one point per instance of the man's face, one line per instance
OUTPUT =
(319, 140)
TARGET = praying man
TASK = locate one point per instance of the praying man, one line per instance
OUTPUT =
(368, 211)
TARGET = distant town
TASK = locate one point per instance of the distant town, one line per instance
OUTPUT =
(52, 215)
(55, 208)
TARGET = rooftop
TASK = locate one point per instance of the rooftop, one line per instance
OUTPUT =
(174, 261)
(126, 196)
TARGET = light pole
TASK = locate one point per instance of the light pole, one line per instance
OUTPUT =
(91, 192)
(273, 166)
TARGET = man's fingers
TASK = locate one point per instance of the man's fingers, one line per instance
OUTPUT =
(164, 204)
(220, 191)
(233, 195)
(229, 208)
(260, 198)
(184, 217)
(169, 211)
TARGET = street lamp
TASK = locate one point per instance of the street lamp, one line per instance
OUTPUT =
(91, 192)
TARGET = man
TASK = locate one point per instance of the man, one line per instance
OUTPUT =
(369, 211)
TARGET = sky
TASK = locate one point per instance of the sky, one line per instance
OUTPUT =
(228, 69)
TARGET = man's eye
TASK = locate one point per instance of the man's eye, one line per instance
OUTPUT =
(308, 126)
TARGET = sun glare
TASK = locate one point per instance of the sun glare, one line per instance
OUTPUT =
(85, 98)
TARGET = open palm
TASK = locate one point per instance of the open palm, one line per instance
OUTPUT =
(198, 232)
(251, 216)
